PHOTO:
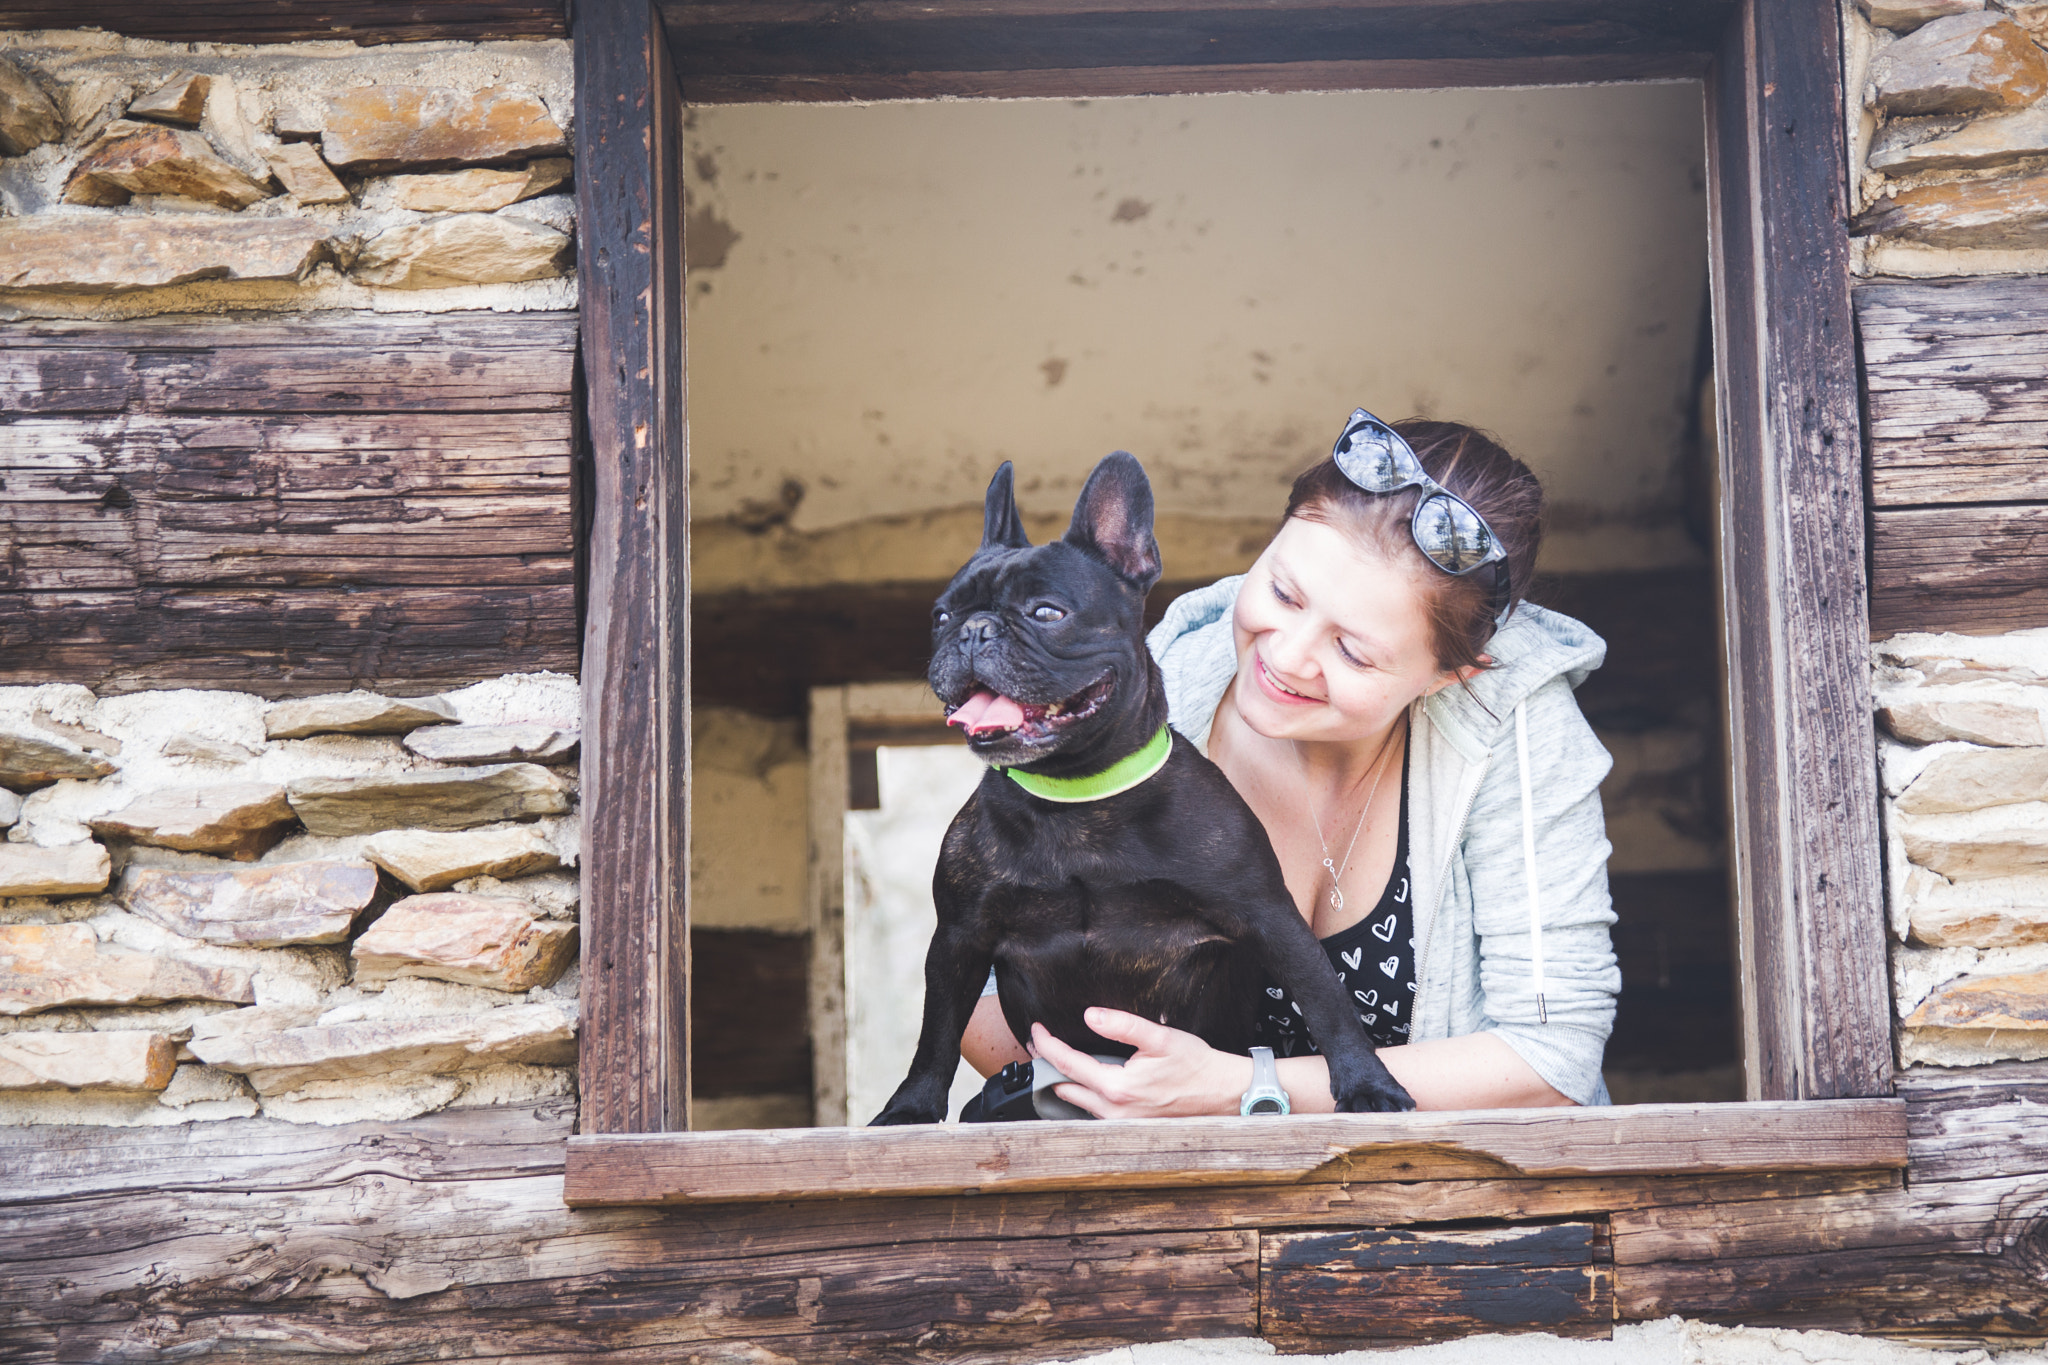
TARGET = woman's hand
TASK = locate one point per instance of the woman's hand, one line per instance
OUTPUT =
(1172, 1074)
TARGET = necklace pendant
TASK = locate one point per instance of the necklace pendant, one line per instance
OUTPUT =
(1336, 900)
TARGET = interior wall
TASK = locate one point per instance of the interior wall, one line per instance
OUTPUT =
(887, 300)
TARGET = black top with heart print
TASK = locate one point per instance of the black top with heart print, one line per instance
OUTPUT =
(1374, 958)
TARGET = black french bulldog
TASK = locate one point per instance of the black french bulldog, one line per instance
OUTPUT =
(1166, 899)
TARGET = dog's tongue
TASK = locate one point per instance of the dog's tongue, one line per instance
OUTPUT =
(985, 710)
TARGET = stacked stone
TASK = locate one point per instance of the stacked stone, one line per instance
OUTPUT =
(328, 909)
(120, 184)
(1965, 772)
(1958, 131)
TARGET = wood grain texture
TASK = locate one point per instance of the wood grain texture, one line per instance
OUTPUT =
(286, 21)
(1817, 1017)
(287, 642)
(633, 1045)
(1956, 384)
(288, 505)
(1979, 570)
(825, 905)
(1106, 82)
(447, 1238)
(1957, 404)
(1949, 1258)
(1974, 1123)
(1327, 1291)
(1016, 48)
(950, 1159)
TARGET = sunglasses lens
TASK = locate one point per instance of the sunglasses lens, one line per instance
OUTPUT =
(1369, 456)
(1452, 534)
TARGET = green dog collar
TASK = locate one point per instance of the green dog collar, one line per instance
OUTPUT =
(1120, 776)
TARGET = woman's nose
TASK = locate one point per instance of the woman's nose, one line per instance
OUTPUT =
(1288, 651)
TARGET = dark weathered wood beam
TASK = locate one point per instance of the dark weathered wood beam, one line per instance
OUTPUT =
(445, 1238)
(291, 21)
(1956, 378)
(882, 50)
(634, 1039)
(1817, 1017)
(286, 506)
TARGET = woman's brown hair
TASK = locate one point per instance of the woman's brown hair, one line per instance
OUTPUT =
(1471, 464)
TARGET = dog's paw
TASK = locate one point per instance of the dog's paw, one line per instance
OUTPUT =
(1380, 1094)
(905, 1113)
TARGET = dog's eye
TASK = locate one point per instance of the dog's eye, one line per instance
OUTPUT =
(1047, 612)
(940, 616)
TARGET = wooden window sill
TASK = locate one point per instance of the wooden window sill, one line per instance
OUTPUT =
(1492, 1144)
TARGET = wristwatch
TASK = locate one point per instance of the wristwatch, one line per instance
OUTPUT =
(1265, 1096)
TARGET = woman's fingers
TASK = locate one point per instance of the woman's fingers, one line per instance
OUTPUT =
(1072, 1062)
(1135, 1029)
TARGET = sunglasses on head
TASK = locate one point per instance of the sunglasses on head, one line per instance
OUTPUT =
(1450, 534)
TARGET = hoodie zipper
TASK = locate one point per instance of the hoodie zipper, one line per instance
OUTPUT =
(1443, 880)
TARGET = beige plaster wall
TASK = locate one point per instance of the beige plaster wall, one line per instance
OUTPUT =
(887, 300)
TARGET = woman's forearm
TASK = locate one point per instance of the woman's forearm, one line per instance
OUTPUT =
(1478, 1071)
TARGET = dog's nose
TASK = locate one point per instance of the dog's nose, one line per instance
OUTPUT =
(978, 630)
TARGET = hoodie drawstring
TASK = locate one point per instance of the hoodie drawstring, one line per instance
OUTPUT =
(1529, 859)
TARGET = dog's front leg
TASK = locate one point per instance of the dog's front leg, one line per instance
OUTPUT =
(1359, 1080)
(1262, 914)
(955, 969)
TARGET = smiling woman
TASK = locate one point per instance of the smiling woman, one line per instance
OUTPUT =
(1349, 652)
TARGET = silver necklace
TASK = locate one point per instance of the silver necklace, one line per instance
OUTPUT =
(1330, 864)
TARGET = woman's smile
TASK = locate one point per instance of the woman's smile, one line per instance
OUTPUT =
(1278, 690)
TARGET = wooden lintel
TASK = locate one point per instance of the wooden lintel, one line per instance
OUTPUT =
(834, 1163)
(1231, 78)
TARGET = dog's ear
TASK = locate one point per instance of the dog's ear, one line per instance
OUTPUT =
(1113, 520)
(1001, 527)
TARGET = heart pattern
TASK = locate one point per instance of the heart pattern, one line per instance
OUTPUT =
(1389, 967)
(1367, 997)
(1383, 931)
(1276, 992)
(1353, 958)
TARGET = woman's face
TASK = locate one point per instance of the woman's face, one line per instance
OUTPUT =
(1332, 638)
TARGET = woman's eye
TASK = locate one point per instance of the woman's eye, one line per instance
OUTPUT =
(1284, 598)
(1046, 612)
(1345, 651)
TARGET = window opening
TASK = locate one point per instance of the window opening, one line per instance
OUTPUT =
(885, 301)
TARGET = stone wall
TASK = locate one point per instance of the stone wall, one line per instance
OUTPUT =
(141, 177)
(1948, 179)
(323, 910)
(330, 909)
(1964, 761)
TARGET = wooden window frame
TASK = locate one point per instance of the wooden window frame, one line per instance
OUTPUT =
(1806, 863)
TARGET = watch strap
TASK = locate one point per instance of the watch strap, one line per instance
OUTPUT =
(1265, 1095)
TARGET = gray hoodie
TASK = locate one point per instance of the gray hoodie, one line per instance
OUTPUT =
(1538, 972)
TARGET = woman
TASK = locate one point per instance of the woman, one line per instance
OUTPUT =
(1406, 733)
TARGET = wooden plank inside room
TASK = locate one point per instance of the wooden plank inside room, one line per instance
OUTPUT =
(830, 1163)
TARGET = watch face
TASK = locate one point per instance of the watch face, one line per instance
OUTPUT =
(1265, 1105)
